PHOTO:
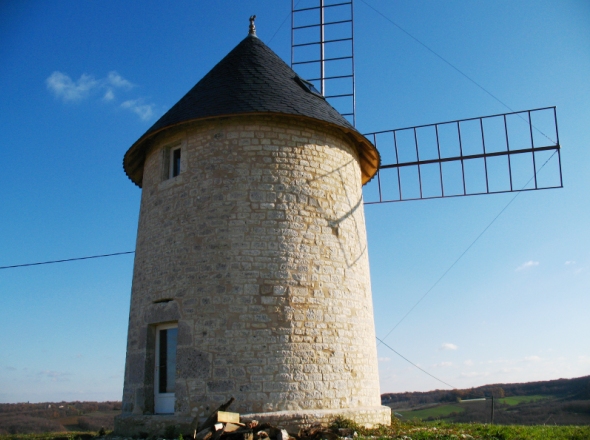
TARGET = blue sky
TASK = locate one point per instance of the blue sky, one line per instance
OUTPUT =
(81, 81)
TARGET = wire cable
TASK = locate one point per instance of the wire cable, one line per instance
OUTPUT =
(66, 260)
(468, 247)
(419, 368)
(283, 23)
(453, 66)
(437, 55)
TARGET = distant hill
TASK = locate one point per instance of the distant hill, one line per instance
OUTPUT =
(27, 418)
(561, 401)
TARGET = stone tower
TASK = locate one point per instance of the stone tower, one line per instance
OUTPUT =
(251, 274)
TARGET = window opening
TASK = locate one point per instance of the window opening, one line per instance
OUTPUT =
(174, 162)
(308, 86)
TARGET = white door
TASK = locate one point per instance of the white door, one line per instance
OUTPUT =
(165, 376)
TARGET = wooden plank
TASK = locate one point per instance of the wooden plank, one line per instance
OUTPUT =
(211, 420)
(228, 417)
(231, 427)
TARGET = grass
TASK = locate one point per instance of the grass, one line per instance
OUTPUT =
(515, 400)
(414, 430)
(436, 411)
(68, 435)
(444, 410)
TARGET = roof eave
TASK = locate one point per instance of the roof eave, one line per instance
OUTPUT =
(369, 157)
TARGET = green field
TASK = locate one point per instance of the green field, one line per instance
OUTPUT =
(444, 410)
(436, 411)
(515, 400)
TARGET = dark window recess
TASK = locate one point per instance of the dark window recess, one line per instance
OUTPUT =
(175, 169)
(163, 300)
(167, 360)
(307, 86)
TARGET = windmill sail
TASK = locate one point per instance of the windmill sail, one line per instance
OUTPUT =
(322, 50)
(506, 152)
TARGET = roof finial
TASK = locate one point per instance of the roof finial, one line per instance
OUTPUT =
(252, 30)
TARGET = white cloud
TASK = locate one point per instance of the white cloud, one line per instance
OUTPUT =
(55, 376)
(448, 346)
(527, 265)
(475, 374)
(116, 80)
(109, 95)
(532, 358)
(443, 364)
(567, 263)
(468, 362)
(499, 361)
(384, 359)
(63, 87)
(144, 111)
(66, 89)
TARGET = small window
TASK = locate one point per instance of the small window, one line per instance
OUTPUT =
(308, 86)
(174, 162)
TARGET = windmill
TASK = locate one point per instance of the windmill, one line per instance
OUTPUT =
(251, 274)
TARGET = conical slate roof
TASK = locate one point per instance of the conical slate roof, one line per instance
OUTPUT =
(251, 79)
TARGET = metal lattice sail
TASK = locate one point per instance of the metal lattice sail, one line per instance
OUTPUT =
(481, 155)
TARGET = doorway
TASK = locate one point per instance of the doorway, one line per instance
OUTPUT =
(165, 374)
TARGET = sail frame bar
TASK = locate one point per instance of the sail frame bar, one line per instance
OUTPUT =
(542, 140)
(314, 54)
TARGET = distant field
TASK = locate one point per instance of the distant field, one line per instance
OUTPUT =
(445, 410)
(515, 400)
(436, 411)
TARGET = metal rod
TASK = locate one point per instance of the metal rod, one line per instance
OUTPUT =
(492, 409)
(469, 119)
(485, 161)
(556, 130)
(327, 41)
(465, 195)
(317, 7)
(533, 145)
(322, 49)
(378, 173)
(461, 154)
(418, 160)
(331, 77)
(468, 157)
(399, 180)
(559, 164)
(508, 150)
(326, 59)
(292, 32)
(325, 24)
(353, 80)
(338, 96)
(558, 152)
(442, 186)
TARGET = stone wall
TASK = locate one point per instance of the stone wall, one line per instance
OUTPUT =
(258, 250)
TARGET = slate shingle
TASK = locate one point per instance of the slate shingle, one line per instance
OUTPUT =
(250, 79)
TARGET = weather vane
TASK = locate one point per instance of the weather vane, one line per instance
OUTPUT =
(252, 30)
